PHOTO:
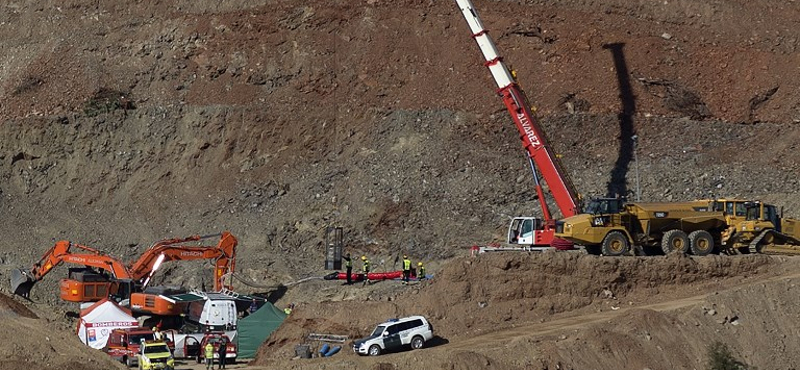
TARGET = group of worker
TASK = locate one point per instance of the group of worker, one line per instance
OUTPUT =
(365, 269)
(222, 352)
(208, 350)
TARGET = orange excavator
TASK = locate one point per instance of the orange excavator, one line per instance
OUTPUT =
(174, 250)
(22, 281)
(121, 281)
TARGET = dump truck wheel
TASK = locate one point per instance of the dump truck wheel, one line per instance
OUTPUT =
(615, 244)
(675, 240)
(701, 242)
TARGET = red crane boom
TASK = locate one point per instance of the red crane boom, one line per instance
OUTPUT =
(533, 138)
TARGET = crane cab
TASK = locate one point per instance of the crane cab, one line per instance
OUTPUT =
(534, 234)
(525, 231)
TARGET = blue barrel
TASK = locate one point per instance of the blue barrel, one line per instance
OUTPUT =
(332, 351)
(325, 348)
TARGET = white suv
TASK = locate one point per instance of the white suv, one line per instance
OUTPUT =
(395, 333)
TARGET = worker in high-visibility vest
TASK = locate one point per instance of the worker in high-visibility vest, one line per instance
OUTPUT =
(420, 271)
(209, 355)
(365, 269)
(406, 269)
(157, 334)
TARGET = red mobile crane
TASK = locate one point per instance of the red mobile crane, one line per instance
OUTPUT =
(530, 232)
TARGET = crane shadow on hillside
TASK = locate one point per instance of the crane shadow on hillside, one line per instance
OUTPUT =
(617, 186)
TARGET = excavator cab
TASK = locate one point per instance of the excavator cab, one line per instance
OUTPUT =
(122, 290)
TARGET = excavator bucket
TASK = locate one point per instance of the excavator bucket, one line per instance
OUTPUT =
(21, 282)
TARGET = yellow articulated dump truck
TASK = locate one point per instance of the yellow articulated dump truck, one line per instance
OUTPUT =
(612, 227)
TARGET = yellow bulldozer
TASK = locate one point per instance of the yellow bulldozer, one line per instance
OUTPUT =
(757, 227)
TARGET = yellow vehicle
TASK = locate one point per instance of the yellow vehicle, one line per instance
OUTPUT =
(155, 355)
(613, 227)
(763, 230)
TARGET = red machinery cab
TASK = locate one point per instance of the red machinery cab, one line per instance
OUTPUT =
(123, 344)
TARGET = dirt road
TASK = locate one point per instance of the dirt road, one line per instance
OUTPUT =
(193, 365)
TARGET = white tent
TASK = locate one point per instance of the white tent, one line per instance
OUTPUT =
(98, 320)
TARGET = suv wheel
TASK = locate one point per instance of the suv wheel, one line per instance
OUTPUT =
(374, 350)
(417, 342)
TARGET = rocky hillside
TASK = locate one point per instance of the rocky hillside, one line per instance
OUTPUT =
(127, 123)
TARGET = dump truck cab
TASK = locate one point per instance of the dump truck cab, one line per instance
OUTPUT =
(155, 355)
(601, 225)
(735, 210)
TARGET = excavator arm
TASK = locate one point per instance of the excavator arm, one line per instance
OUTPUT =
(224, 254)
(63, 251)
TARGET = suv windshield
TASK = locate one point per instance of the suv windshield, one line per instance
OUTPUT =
(378, 331)
(156, 348)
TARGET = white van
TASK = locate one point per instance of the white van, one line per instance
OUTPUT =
(395, 333)
(214, 315)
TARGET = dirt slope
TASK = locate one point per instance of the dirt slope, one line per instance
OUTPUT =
(126, 123)
(31, 342)
(629, 313)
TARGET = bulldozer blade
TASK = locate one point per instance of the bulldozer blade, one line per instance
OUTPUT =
(21, 282)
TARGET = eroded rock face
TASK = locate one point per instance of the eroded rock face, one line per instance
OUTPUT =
(124, 124)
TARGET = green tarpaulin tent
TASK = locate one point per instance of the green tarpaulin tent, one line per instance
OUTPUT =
(254, 329)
